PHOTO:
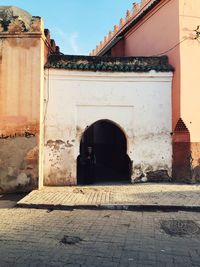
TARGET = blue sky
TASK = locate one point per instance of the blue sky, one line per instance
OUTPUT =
(76, 25)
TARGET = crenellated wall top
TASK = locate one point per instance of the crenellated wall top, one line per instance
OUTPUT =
(14, 20)
(134, 13)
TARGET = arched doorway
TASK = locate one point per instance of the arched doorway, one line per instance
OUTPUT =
(110, 162)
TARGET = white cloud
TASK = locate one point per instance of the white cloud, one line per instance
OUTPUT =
(68, 42)
(61, 33)
(74, 42)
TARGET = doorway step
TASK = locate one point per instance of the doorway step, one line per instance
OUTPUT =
(149, 196)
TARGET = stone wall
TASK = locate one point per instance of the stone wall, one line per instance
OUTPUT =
(18, 164)
(22, 77)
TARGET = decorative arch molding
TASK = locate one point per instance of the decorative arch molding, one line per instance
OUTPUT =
(110, 122)
(181, 127)
(88, 115)
(109, 160)
(181, 168)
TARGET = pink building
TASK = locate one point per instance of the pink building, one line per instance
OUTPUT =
(167, 27)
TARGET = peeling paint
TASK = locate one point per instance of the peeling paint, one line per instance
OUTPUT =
(149, 173)
(58, 144)
(59, 162)
(18, 164)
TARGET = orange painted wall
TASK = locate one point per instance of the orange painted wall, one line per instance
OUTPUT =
(21, 76)
(190, 67)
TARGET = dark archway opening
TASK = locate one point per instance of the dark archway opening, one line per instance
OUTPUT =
(109, 161)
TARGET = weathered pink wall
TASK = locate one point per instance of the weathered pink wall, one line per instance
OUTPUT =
(21, 75)
(24, 48)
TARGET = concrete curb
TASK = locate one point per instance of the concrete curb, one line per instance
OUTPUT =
(128, 207)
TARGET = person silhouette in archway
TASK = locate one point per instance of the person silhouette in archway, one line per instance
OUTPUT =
(90, 162)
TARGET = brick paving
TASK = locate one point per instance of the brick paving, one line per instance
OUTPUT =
(157, 195)
(31, 237)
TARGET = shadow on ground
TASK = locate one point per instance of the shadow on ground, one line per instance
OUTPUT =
(10, 200)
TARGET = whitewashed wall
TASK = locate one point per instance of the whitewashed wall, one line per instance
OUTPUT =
(139, 103)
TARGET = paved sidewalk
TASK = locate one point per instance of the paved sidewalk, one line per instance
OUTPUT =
(131, 197)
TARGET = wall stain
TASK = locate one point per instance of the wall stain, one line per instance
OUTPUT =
(58, 144)
(25, 134)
